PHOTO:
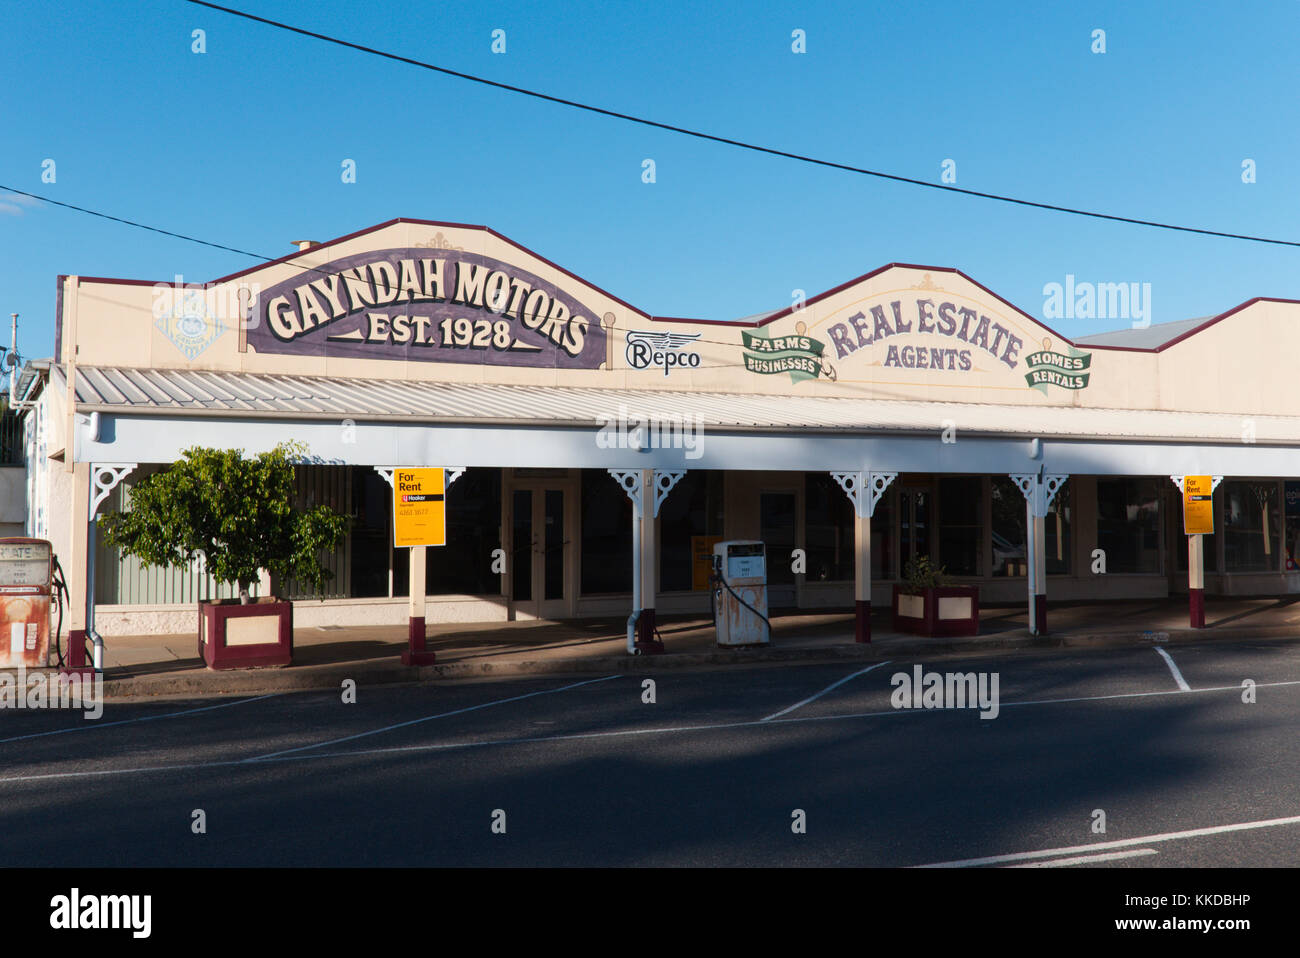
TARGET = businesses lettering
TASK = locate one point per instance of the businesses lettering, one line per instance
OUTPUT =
(406, 304)
(798, 355)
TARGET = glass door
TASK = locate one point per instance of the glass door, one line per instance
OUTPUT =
(541, 551)
(913, 522)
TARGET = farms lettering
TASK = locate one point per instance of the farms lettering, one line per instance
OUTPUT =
(408, 304)
(964, 324)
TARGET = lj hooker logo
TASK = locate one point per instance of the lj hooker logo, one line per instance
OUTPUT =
(1047, 368)
(798, 355)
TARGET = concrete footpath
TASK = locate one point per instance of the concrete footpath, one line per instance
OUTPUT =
(169, 666)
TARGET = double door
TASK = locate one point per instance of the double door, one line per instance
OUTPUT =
(542, 552)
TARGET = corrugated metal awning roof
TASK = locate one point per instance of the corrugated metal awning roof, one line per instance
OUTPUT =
(1145, 337)
(198, 393)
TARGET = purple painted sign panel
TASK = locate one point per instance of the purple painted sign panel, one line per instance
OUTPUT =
(427, 305)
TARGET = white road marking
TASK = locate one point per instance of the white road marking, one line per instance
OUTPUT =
(833, 685)
(445, 746)
(1085, 859)
(92, 724)
(761, 723)
(1178, 676)
(1119, 843)
(427, 718)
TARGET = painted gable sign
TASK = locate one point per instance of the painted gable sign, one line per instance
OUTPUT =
(926, 329)
(427, 305)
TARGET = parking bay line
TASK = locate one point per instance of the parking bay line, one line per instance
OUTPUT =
(143, 718)
(1178, 676)
(833, 685)
(1118, 843)
(759, 723)
(449, 746)
(427, 718)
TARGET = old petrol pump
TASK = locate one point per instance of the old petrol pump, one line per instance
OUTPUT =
(27, 586)
(738, 589)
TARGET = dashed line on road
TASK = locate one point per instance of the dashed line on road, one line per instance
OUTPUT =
(1118, 843)
(427, 718)
(1178, 676)
(833, 685)
(1086, 859)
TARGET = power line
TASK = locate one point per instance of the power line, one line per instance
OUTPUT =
(143, 226)
(232, 249)
(727, 141)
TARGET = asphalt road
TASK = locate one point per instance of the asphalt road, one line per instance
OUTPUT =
(582, 772)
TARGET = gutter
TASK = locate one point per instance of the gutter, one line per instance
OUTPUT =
(739, 428)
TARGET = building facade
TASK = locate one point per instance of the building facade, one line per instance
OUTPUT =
(598, 451)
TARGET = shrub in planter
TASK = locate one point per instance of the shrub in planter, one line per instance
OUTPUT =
(926, 604)
(237, 514)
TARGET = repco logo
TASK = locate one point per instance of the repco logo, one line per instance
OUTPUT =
(661, 350)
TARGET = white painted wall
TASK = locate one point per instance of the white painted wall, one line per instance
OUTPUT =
(13, 496)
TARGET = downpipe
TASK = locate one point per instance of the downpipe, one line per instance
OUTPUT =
(631, 632)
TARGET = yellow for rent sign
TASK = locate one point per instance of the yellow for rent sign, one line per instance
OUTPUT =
(1198, 505)
(419, 507)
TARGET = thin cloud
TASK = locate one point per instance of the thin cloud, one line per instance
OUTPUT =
(16, 204)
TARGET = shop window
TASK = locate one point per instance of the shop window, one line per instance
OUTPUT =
(371, 533)
(1056, 533)
(777, 515)
(691, 512)
(1128, 524)
(829, 532)
(606, 534)
(464, 565)
(1010, 555)
(1291, 513)
(961, 532)
(1251, 526)
(882, 539)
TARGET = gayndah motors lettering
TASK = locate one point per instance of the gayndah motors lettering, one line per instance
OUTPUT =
(486, 288)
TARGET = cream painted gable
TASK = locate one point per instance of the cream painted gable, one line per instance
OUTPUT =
(438, 302)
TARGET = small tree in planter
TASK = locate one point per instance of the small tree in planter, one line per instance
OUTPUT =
(925, 603)
(238, 514)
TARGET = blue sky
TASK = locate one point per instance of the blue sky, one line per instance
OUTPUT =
(243, 145)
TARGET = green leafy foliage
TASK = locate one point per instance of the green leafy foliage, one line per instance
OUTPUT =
(237, 512)
(920, 573)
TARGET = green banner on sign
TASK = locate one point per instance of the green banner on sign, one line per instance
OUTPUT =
(1050, 377)
(1059, 361)
(798, 355)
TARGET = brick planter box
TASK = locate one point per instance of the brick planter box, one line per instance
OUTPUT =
(941, 611)
(253, 636)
